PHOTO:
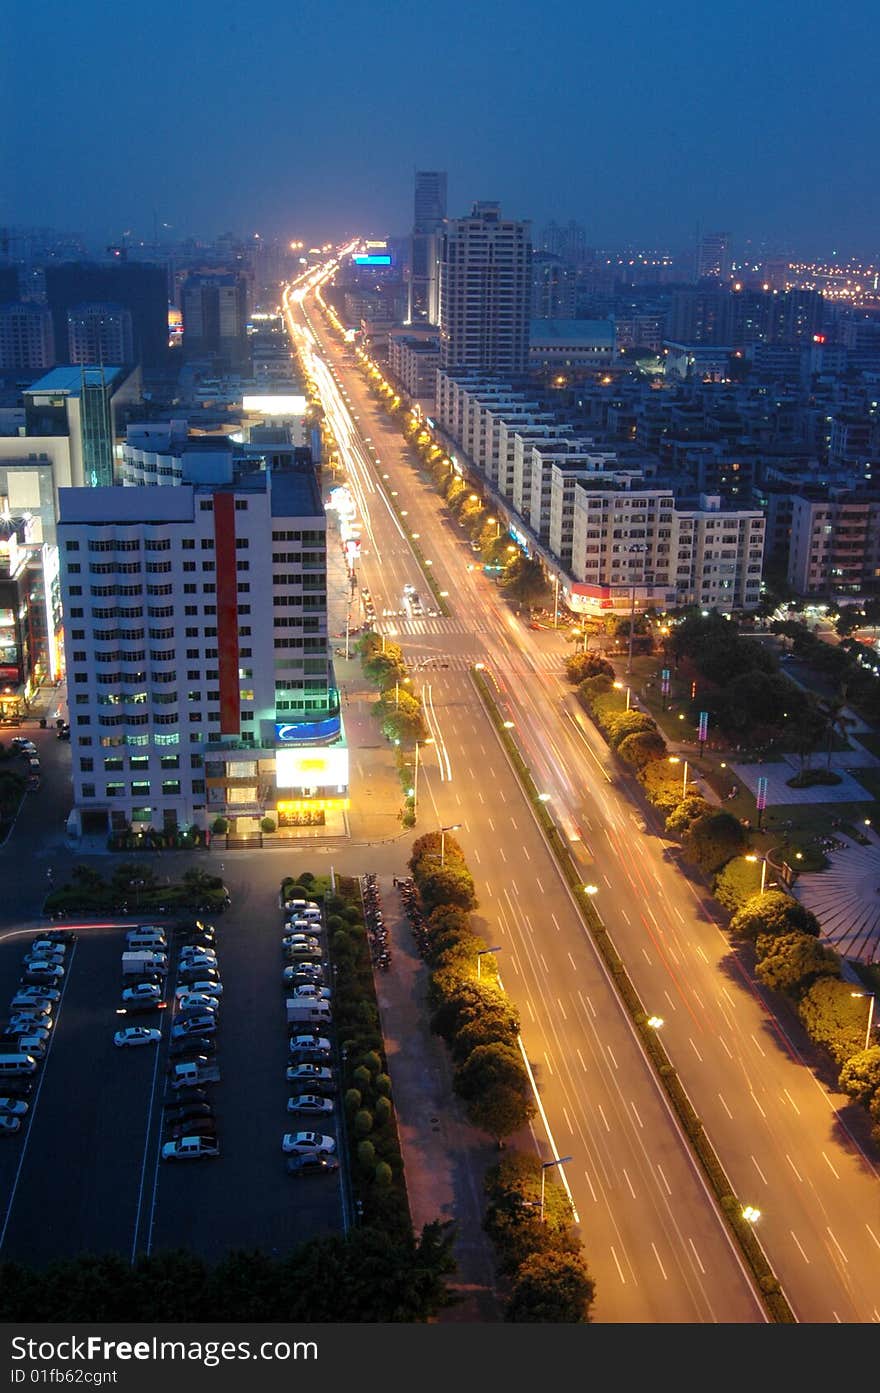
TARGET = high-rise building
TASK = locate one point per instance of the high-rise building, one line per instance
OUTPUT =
(485, 292)
(215, 320)
(553, 287)
(27, 342)
(99, 333)
(140, 287)
(86, 404)
(428, 217)
(713, 256)
(200, 681)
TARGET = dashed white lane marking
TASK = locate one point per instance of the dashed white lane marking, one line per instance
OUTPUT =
(799, 1248)
(758, 1169)
(619, 1268)
(725, 1107)
(830, 1167)
(659, 1263)
(794, 1167)
(697, 1256)
(663, 1178)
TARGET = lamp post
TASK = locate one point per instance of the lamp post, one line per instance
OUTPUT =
(674, 759)
(555, 601)
(870, 996)
(633, 551)
(763, 860)
(480, 954)
(620, 686)
(545, 1166)
(452, 827)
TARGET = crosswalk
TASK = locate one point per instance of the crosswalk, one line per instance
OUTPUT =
(463, 662)
(401, 628)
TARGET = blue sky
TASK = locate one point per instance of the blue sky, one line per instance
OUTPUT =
(309, 119)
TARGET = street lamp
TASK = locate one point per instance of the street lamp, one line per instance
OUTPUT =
(763, 860)
(618, 685)
(591, 889)
(654, 1022)
(870, 996)
(480, 954)
(545, 1166)
(674, 759)
(453, 827)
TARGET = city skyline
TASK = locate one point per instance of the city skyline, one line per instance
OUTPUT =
(642, 132)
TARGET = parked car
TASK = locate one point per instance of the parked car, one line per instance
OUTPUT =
(196, 950)
(299, 940)
(46, 955)
(197, 1001)
(302, 951)
(143, 991)
(38, 972)
(47, 994)
(13, 1107)
(187, 1046)
(137, 1035)
(310, 991)
(60, 935)
(309, 1103)
(311, 1076)
(35, 1010)
(307, 1163)
(187, 1096)
(47, 948)
(307, 1141)
(194, 1023)
(190, 1148)
(185, 1111)
(9, 1125)
(194, 1127)
(26, 1025)
(201, 986)
(63, 731)
(305, 1048)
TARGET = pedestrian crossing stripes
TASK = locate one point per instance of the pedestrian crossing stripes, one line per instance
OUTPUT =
(401, 628)
(463, 662)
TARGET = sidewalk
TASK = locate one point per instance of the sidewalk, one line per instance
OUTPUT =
(444, 1157)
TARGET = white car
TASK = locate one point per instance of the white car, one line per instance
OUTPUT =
(144, 991)
(306, 1141)
(309, 1103)
(309, 991)
(13, 1107)
(190, 1149)
(47, 948)
(26, 1025)
(196, 1001)
(200, 985)
(45, 955)
(197, 950)
(137, 1035)
(35, 994)
(199, 957)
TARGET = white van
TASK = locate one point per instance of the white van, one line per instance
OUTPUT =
(146, 936)
(17, 1064)
(32, 1045)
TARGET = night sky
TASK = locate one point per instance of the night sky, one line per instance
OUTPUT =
(639, 120)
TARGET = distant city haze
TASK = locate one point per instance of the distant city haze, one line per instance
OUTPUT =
(640, 122)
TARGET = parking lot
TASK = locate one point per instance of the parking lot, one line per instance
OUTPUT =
(85, 1174)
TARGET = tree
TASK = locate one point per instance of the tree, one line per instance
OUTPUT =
(593, 687)
(712, 838)
(628, 723)
(833, 712)
(495, 1086)
(474, 1001)
(513, 1212)
(580, 666)
(452, 885)
(642, 748)
(794, 962)
(686, 811)
(524, 580)
(426, 850)
(662, 786)
(774, 912)
(860, 1076)
(551, 1287)
(834, 1018)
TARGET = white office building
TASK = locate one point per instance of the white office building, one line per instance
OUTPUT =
(485, 292)
(200, 682)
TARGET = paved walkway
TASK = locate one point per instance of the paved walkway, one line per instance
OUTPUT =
(444, 1157)
(779, 772)
(845, 898)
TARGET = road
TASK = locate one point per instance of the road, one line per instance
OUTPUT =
(654, 1240)
(781, 1136)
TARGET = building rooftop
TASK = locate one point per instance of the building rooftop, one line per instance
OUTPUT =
(572, 331)
(70, 379)
(295, 494)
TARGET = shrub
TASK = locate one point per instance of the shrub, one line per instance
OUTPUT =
(860, 1077)
(774, 912)
(807, 778)
(361, 1077)
(382, 1085)
(353, 1099)
(267, 824)
(551, 1287)
(383, 1175)
(713, 838)
(662, 787)
(581, 666)
(794, 961)
(736, 882)
(641, 748)
(352, 915)
(452, 885)
(685, 812)
(363, 1122)
(495, 1086)
(627, 723)
(335, 921)
(366, 1154)
(593, 687)
(834, 1018)
(382, 1110)
(220, 825)
(372, 1061)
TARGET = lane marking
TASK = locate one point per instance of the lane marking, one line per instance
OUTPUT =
(799, 1248)
(758, 1169)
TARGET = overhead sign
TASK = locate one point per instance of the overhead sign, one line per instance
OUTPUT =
(312, 766)
(372, 259)
(275, 406)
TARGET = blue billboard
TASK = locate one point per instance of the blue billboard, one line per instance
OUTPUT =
(372, 260)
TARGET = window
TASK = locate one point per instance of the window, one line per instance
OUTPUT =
(189, 565)
(188, 543)
(74, 568)
(209, 565)
(205, 505)
(88, 790)
(243, 587)
(113, 765)
(192, 653)
(86, 766)
(241, 507)
(72, 546)
(170, 761)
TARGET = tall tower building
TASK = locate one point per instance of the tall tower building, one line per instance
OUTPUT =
(27, 342)
(99, 333)
(140, 287)
(713, 256)
(485, 292)
(428, 216)
(215, 320)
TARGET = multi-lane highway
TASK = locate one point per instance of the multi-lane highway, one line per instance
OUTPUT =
(779, 1134)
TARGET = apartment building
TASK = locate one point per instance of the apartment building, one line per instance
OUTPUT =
(200, 681)
(485, 292)
(835, 542)
(631, 544)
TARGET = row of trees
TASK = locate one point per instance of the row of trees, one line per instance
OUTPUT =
(840, 663)
(397, 709)
(370, 1275)
(790, 959)
(136, 885)
(480, 1026)
(376, 1163)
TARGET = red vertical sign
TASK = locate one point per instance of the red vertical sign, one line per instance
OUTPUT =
(227, 612)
